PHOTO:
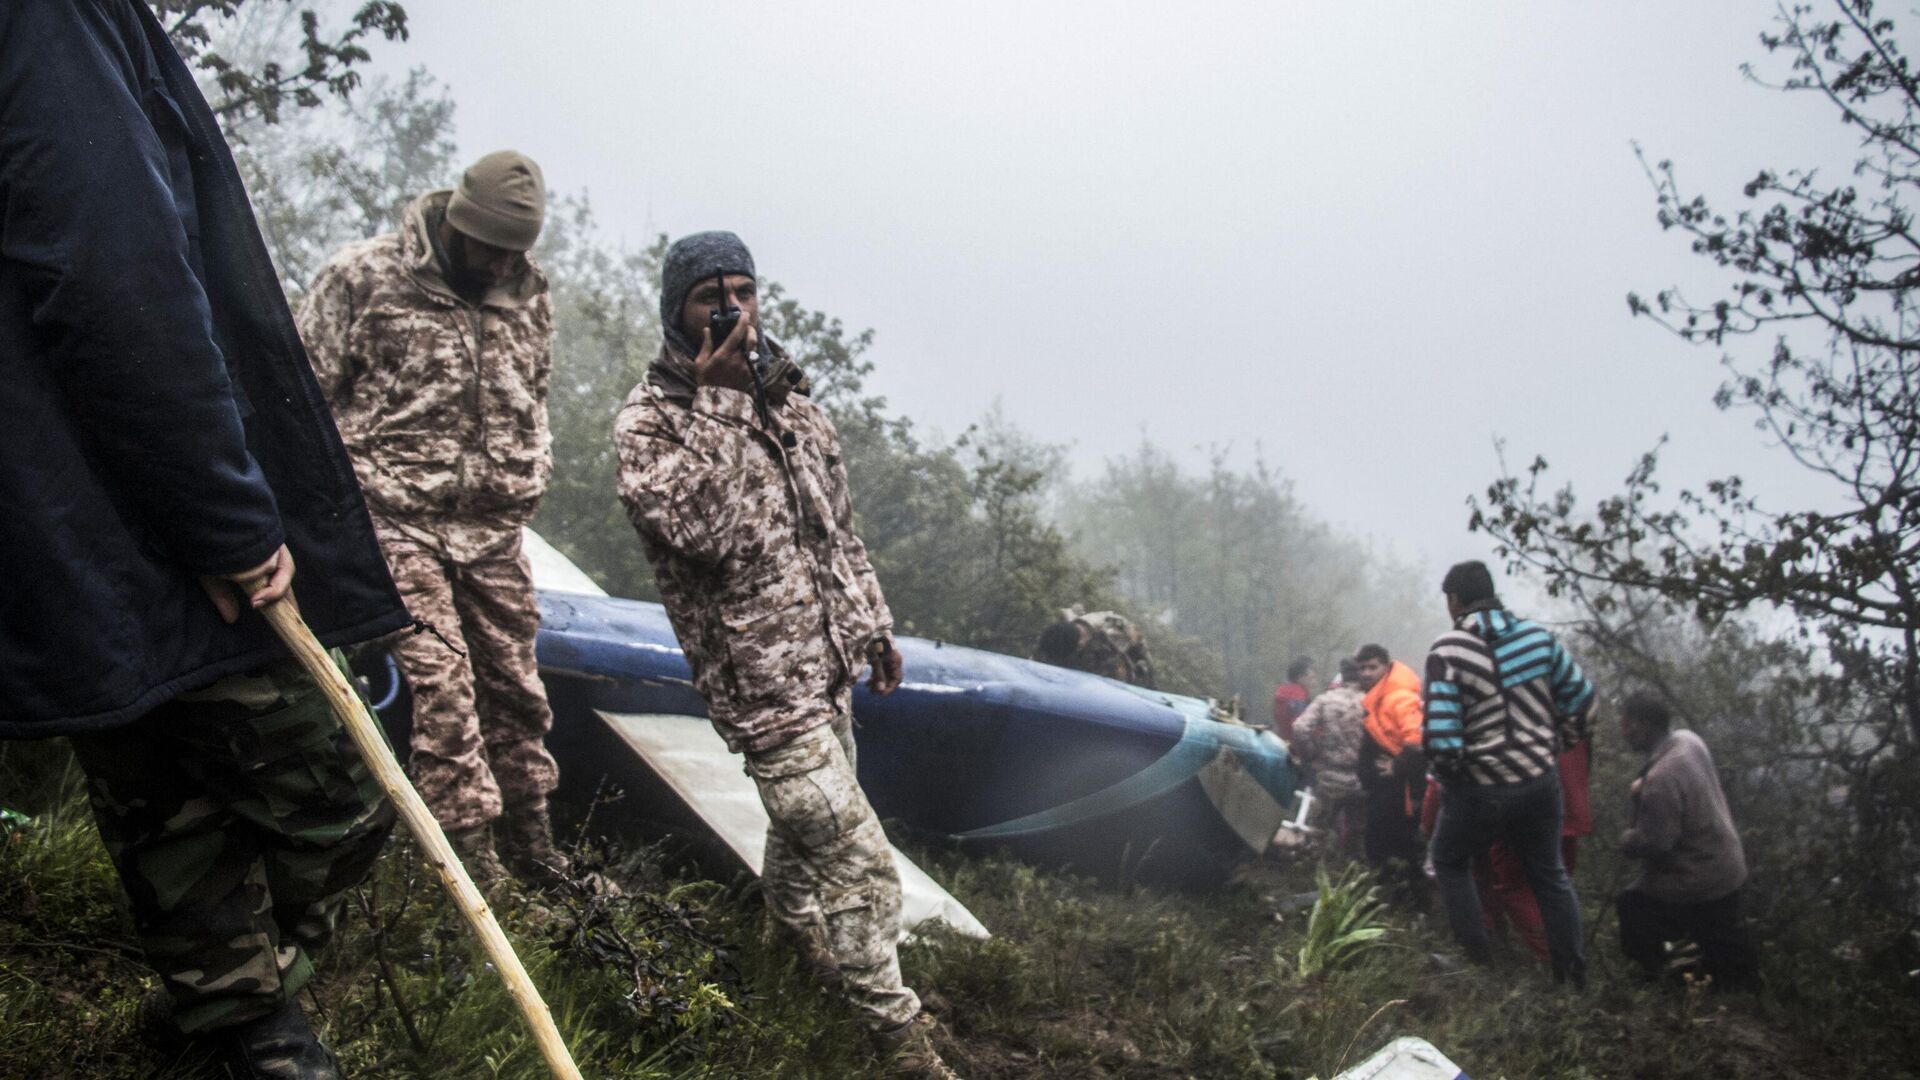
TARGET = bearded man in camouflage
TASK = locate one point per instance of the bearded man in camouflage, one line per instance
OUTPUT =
(434, 346)
(741, 503)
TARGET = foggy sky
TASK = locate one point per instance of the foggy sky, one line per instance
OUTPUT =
(1370, 238)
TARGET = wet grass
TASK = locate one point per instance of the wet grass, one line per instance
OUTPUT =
(1081, 980)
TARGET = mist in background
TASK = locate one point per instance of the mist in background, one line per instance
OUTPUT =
(1215, 316)
(1368, 240)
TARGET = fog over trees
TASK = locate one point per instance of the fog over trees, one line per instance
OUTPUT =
(979, 539)
(1790, 630)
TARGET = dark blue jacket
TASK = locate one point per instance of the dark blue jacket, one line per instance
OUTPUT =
(158, 419)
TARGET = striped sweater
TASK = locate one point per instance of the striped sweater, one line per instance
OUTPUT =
(1503, 699)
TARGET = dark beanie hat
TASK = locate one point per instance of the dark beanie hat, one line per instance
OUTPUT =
(501, 200)
(691, 260)
(1468, 582)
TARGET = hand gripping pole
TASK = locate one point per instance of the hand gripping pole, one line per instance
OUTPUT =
(285, 619)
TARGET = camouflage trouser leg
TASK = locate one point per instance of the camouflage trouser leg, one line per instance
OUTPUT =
(236, 826)
(479, 722)
(500, 619)
(828, 862)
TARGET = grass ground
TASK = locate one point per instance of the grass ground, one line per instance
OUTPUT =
(1081, 980)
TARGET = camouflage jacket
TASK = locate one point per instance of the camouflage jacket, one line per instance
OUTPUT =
(1327, 738)
(750, 533)
(442, 404)
(1113, 648)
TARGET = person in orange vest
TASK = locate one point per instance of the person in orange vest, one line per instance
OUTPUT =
(1392, 770)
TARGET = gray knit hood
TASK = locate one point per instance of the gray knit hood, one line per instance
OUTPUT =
(691, 260)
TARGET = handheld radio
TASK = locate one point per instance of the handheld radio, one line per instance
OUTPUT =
(720, 324)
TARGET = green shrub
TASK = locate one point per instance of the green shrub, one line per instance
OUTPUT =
(1346, 922)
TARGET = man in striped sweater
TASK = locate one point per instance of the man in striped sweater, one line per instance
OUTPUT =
(1503, 700)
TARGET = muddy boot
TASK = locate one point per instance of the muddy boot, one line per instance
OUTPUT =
(279, 1046)
(816, 956)
(527, 847)
(907, 1051)
(475, 848)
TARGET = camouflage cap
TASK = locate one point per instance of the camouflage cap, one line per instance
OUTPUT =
(501, 200)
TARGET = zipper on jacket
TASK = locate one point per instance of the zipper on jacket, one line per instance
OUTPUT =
(821, 571)
(476, 320)
(479, 373)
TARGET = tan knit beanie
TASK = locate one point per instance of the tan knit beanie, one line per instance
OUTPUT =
(501, 200)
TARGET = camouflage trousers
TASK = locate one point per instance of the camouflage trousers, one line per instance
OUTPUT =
(237, 818)
(829, 867)
(479, 721)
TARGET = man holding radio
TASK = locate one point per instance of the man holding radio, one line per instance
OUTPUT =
(733, 479)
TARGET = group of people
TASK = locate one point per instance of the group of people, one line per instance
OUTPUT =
(179, 441)
(1478, 768)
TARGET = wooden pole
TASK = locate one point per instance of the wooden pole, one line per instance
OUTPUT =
(285, 619)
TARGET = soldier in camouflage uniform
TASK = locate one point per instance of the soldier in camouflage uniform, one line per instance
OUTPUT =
(1327, 739)
(237, 851)
(1104, 643)
(434, 346)
(741, 503)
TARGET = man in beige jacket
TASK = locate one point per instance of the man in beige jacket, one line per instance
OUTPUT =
(434, 345)
(733, 479)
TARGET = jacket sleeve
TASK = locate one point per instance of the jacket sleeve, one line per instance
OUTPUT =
(1410, 764)
(1402, 709)
(326, 323)
(1657, 815)
(678, 491)
(856, 549)
(543, 363)
(1306, 729)
(98, 224)
(1442, 731)
(1573, 698)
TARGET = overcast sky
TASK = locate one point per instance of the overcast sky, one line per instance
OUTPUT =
(1371, 238)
